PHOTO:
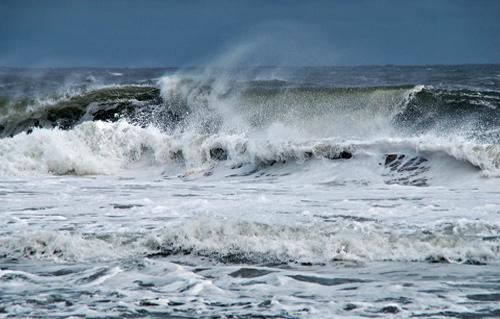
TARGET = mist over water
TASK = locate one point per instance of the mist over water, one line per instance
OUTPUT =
(236, 191)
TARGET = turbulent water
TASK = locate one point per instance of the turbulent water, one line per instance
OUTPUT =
(250, 193)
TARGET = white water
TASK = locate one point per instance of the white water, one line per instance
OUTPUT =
(338, 217)
(95, 148)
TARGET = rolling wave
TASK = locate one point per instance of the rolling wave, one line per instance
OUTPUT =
(239, 242)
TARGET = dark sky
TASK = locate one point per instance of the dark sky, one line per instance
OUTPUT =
(115, 33)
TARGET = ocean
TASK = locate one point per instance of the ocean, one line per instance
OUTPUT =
(269, 192)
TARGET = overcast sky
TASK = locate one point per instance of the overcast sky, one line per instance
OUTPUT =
(126, 33)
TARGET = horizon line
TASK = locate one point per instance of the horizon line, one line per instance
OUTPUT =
(248, 66)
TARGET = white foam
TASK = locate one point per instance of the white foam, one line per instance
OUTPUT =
(58, 246)
(259, 242)
(89, 148)
(106, 148)
(333, 241)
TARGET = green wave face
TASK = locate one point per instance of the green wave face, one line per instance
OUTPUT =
(107, 104)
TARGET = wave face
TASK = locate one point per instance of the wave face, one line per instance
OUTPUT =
(250, 193)
(105, 104)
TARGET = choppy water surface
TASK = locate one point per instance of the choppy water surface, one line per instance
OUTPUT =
(287, 193)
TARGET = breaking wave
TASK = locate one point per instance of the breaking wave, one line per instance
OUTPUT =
(201, 120)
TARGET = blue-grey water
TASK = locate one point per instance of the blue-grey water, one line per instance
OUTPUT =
(332, 192)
